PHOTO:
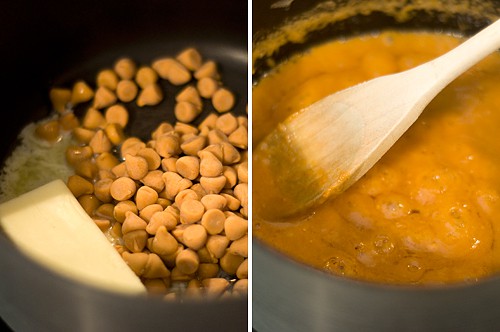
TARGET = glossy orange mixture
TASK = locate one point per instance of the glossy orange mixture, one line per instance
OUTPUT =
(429, 210)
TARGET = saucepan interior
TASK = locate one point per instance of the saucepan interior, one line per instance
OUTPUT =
(56, 42)
(290, 295)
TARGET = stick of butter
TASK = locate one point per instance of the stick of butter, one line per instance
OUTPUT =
(49, 225)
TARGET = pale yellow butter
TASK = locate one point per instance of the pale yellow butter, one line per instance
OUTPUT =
(50, 226)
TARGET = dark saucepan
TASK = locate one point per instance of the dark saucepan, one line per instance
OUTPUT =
(294, 297)
(46, 43)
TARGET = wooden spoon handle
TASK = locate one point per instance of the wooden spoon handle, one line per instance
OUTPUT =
(449, 66)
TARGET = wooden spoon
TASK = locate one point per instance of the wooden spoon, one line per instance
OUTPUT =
(324, 148)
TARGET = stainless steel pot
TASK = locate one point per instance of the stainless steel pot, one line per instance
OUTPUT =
(55, 42)
(288, 296)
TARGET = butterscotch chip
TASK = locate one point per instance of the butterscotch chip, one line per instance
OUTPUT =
(49, 130)
(60, 97)
(230, 262)
(241, 273)
(167, 145)
(174, 184)
(191, 211)
(206, 256)
(240, 287)
(210, 165)
(207, 86)
(146, 76)
(93, 119)
(151, 156)
(178, 74)
(163, 242)
(104, 97)
(79, 185)
(184, 195)
(227, 123)
(102, 190)
(233, 203)
(147, 212)
(163, 202)
(100, 142)
(230, 154)
(185, 111)
(120, 170)
(191, 95)
(213, 221)
(126, 90)
(123, 188)
(137, 167)
(125, 68)
(162, 66)
(121, 209)
(106, 211)
(161, 218)
(215, 286)
(156, 286)
(235, 227)
(208, 270)
(136, 261)
(145, 196)
(188, 167)
(213, 185)
(155, 268)
(185, 129)
(81, 93)
(154, 180)
(198, 189)
(69, 121)
(103, 224)
(241, 193)
(231, 176)
(207, 69)
(195, 236)
(209, 122)
(217, 245)
(163, 128)
(190, 58)
(115, 133)
(187, 261)
(216, 136)
(117, 114)
(240, 246)
(83, 135)
(193, 145)
(135, 241)
(86, 168)
(132, 223)
(89, 203)
(242, 170)
(76, 154)
(107, 78)
(116, 232)
(178, 275)
(223, 100)
(194, 289)
(150, 95)
(214, 201)
(131, 146)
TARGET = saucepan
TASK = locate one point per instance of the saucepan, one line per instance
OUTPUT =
(53, 43)
(291, 296)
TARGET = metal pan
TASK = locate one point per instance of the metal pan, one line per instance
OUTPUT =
(289, 296)
(56, 42)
